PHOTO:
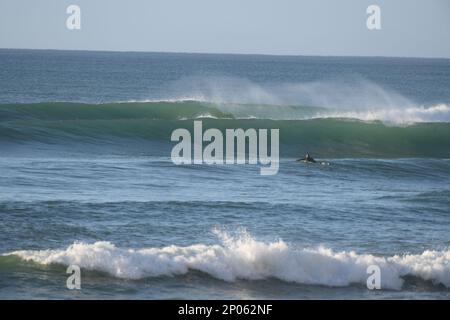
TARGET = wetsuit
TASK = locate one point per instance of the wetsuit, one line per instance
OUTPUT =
(308, 159)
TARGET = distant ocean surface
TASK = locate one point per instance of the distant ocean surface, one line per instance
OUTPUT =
(86, 177)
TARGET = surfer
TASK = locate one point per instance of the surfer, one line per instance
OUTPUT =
(307, 158)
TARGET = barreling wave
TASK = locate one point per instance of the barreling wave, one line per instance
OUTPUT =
(179, 109)
(243, 257)
(319, 130)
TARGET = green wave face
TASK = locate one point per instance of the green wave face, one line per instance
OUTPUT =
(108, 111)
(65, 123)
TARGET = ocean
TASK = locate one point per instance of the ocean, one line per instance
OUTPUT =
(86, 177)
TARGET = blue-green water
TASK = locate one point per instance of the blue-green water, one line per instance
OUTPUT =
(86, 177)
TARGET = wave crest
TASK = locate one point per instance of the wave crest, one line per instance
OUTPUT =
(243, 257)
(181, 109)
(410, 115)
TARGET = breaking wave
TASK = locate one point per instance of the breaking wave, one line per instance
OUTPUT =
(410, 132)
(438, 113)
(182, 109)
(243, 257)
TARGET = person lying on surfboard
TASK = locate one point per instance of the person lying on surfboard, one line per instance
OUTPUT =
(308, 158)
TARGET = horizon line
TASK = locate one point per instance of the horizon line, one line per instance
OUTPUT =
(230, 53)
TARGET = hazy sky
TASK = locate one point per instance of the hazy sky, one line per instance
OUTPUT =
(418, 28)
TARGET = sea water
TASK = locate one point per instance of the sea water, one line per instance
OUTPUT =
(86, 177)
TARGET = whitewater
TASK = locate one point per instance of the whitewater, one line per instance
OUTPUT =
(243, 257)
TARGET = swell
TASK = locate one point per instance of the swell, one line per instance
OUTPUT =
(192, 109)
(243, 257)
(119, 124)
(60, 111)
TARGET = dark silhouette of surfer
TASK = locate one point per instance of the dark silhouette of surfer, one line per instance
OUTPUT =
(308, 158)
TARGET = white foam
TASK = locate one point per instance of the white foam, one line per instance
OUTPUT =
(243, 257)
(205, 115)
(437, 113)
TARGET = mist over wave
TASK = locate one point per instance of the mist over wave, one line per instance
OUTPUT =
(233, 97)
(241, 256)
(355, 98)
(356, 118)
(402, 116)
(338, 93)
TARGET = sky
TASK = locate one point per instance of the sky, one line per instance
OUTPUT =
(409, 28)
